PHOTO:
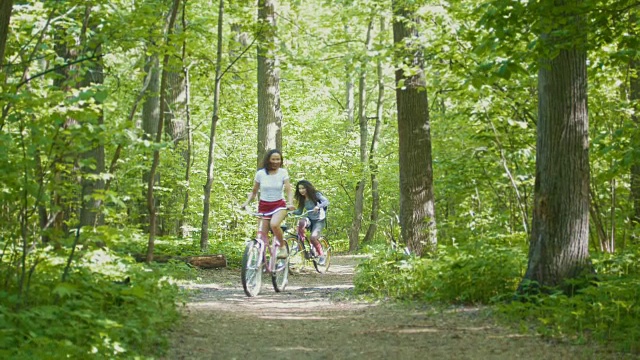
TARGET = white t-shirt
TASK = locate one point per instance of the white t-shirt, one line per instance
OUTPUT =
(271, 185)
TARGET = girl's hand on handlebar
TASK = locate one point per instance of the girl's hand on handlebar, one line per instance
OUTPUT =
(291, 207)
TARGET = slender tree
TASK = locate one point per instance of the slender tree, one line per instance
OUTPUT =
(373, 167)
(204, 231)
(634, 84)
(417, 200)
(187, 106)
(558, 247)
(356, 222)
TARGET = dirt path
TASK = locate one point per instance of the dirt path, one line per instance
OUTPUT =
(315, 319)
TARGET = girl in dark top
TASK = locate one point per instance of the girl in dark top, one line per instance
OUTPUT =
(315, 204)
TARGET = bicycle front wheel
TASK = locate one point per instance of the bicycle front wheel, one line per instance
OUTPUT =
(296, 255)
(251, 273)
(321, 263)
(280, 275)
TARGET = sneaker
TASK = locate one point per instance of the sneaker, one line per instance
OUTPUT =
(322, 260)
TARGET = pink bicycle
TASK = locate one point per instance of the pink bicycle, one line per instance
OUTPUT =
(257, 260)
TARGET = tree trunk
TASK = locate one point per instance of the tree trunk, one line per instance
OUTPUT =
(156, 153)
(356, 223)
(204, 231)
(349, 86)
(373, 167)
(174, 110)
(634, 86)
(201, 261)
(150, 122)
(174, 104)
(417, 201)
(269, 112)
(5, 18)
(560, 227)
(182, 224)
(90, 207)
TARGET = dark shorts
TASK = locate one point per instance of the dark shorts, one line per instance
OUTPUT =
(316, 225)
(270, 206)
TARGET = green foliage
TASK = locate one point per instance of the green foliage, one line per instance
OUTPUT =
(606, 312)
(480, 273)
(107, 308)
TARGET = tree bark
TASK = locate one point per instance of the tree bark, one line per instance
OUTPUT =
(5, 19)
(349, 86)
(634, 95)
(204, 231)
(201, 261)
(417, 200)
(90, 215)
(269, 112)
(560, 226)
(182, 223)
(356, 222)
(156, 153)
(150, 123)
(373, 167)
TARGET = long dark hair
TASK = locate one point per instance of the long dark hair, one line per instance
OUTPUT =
(311, 193)
(267, 156)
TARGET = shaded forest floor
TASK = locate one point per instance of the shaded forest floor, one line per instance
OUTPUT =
(316, 318)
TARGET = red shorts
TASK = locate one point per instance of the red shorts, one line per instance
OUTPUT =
(270, 206)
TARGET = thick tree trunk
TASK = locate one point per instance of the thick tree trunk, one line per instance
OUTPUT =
(269, 112)
(174, 109)
(174, 105)
(560, 226)
(150, 123)
(5, 18)
(90, 213)
(151, 206)
(417, 200)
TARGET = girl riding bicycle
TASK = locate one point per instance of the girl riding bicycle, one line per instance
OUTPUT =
(315, 204)
(270, 181)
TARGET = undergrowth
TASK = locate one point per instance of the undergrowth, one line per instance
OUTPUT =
(106, 307)
(489, 274)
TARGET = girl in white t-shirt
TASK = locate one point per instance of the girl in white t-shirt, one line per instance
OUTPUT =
(271, 180)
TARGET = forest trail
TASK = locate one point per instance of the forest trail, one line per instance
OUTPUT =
(314, 318)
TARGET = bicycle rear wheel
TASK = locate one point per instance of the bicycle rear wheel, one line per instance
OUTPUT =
(251, 273)
(323, 266)
(280, 275)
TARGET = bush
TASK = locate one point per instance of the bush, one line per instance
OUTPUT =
(606, 312)
(469, 274)
(106, 308)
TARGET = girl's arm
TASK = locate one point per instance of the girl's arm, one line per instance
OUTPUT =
(289, 192)
(322, 200)
(252, 194)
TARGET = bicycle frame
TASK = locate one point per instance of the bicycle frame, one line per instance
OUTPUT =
(253, 261)
(304, 245)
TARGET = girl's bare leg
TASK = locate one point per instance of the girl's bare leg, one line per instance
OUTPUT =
(276, 220)
(314, 241)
